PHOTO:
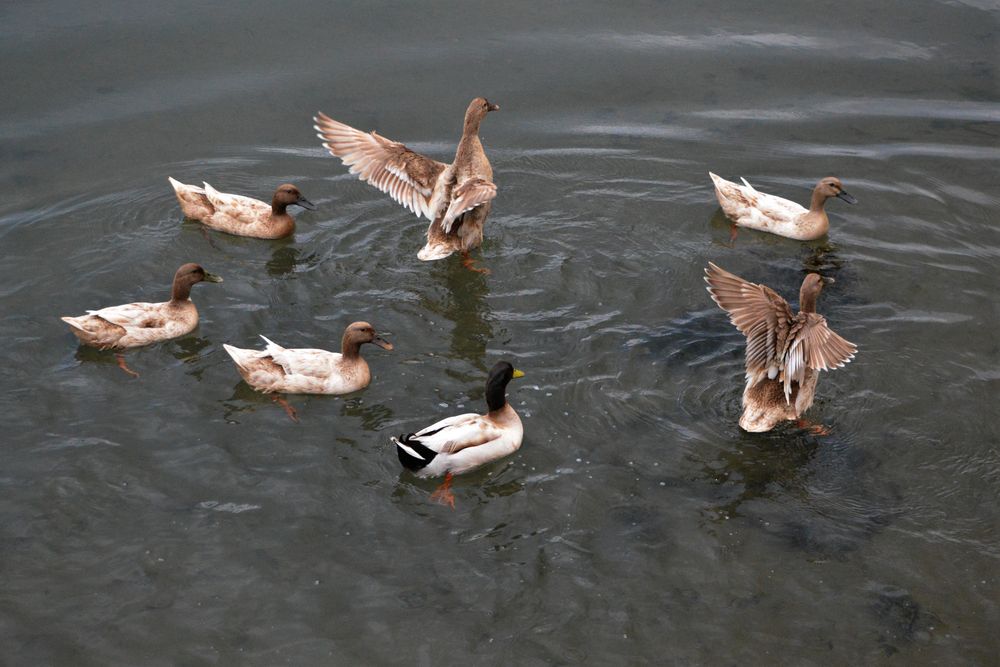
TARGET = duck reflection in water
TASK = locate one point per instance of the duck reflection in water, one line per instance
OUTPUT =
(464, 303)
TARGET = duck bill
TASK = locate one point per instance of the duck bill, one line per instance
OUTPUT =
(382, 343)
(846, 197)
(492, 107)
(212, 278)
(827, 280)
(518, 374)
(306, 204)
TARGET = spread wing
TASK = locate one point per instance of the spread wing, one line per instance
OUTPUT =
(466, 197)
(757, 311)
(390, 166)
(814, 345)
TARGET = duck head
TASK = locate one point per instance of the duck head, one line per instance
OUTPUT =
(812, 285)
(188, 275)
(287, 195)
(831, 187)
(496, 384)
(357, 334)
(478, 108)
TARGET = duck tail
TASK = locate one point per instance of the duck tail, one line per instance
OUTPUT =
(412, 454)
(239, 355)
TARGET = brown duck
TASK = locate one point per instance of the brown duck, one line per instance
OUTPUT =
(456, 198)
(239, 215)
(784, 351)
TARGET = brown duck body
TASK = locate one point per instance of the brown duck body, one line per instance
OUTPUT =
(456, 198)
(239, 215)
(138, 324)
(785, 350)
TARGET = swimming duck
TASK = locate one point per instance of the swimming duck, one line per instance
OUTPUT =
(239, 215)
(785, 351)
(748, 208)
(138, 324)
(464, 442)
(309, 371)
(456, 198)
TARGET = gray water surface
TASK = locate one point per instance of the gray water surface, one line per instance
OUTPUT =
(181, 518)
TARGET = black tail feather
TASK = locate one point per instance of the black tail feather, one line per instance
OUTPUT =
(411, 462)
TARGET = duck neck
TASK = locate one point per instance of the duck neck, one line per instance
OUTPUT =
(496, 396)
(350, 348)
(277, 207)
(807, 301)
(818, 202)
(181, 290)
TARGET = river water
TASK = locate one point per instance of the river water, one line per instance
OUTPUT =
(181, 518)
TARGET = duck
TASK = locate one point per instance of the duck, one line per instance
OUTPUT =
(464, 442)
(138, 324)
(455, 197)
(309, 371)
(747, 207)
(239, 215)
(784, 352)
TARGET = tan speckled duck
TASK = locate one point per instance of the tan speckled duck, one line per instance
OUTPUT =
(456, 198)
(785, 351)
(309, 371)
(138, 324)
(748, 208)
(239, 215)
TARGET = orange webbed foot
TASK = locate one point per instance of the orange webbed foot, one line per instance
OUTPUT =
(469, 263)
(733, 231)
(815, 429)
(443, 494)
(122, 365)
(289, 410)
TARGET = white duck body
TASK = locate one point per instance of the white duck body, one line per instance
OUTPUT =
(142, 323)
(309, 370)
(747, 207)
(239, 215)
(465, 442)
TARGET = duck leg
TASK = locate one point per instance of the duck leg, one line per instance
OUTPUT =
(204, 232)
(443, 493)
(289, 410)
(815, 429)
(122, 365)
(469, 263)
(733, 231)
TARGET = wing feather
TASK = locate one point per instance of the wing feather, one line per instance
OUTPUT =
(406, 176)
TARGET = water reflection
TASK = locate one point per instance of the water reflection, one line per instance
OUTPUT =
(464, 303)
(286, 257)
(373, 416)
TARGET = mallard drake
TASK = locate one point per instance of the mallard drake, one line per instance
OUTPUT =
(239, 215)
(138, 324)
(464, 442)
(309, 371)
(748, 208)
(785, 351)
(456, 198)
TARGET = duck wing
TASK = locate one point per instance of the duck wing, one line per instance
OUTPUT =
(812, 344)
(302, 361)
(236, 206)
(465, 197)
(760, 313)
(133, 315)
(406, 176)
(457, 433)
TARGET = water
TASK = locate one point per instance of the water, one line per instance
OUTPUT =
(181, 518)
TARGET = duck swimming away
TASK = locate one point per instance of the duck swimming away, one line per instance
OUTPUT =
(138, 324)
(239, 215)
(465, 442)
(785, 351)
(748, 208)
(455, 197)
